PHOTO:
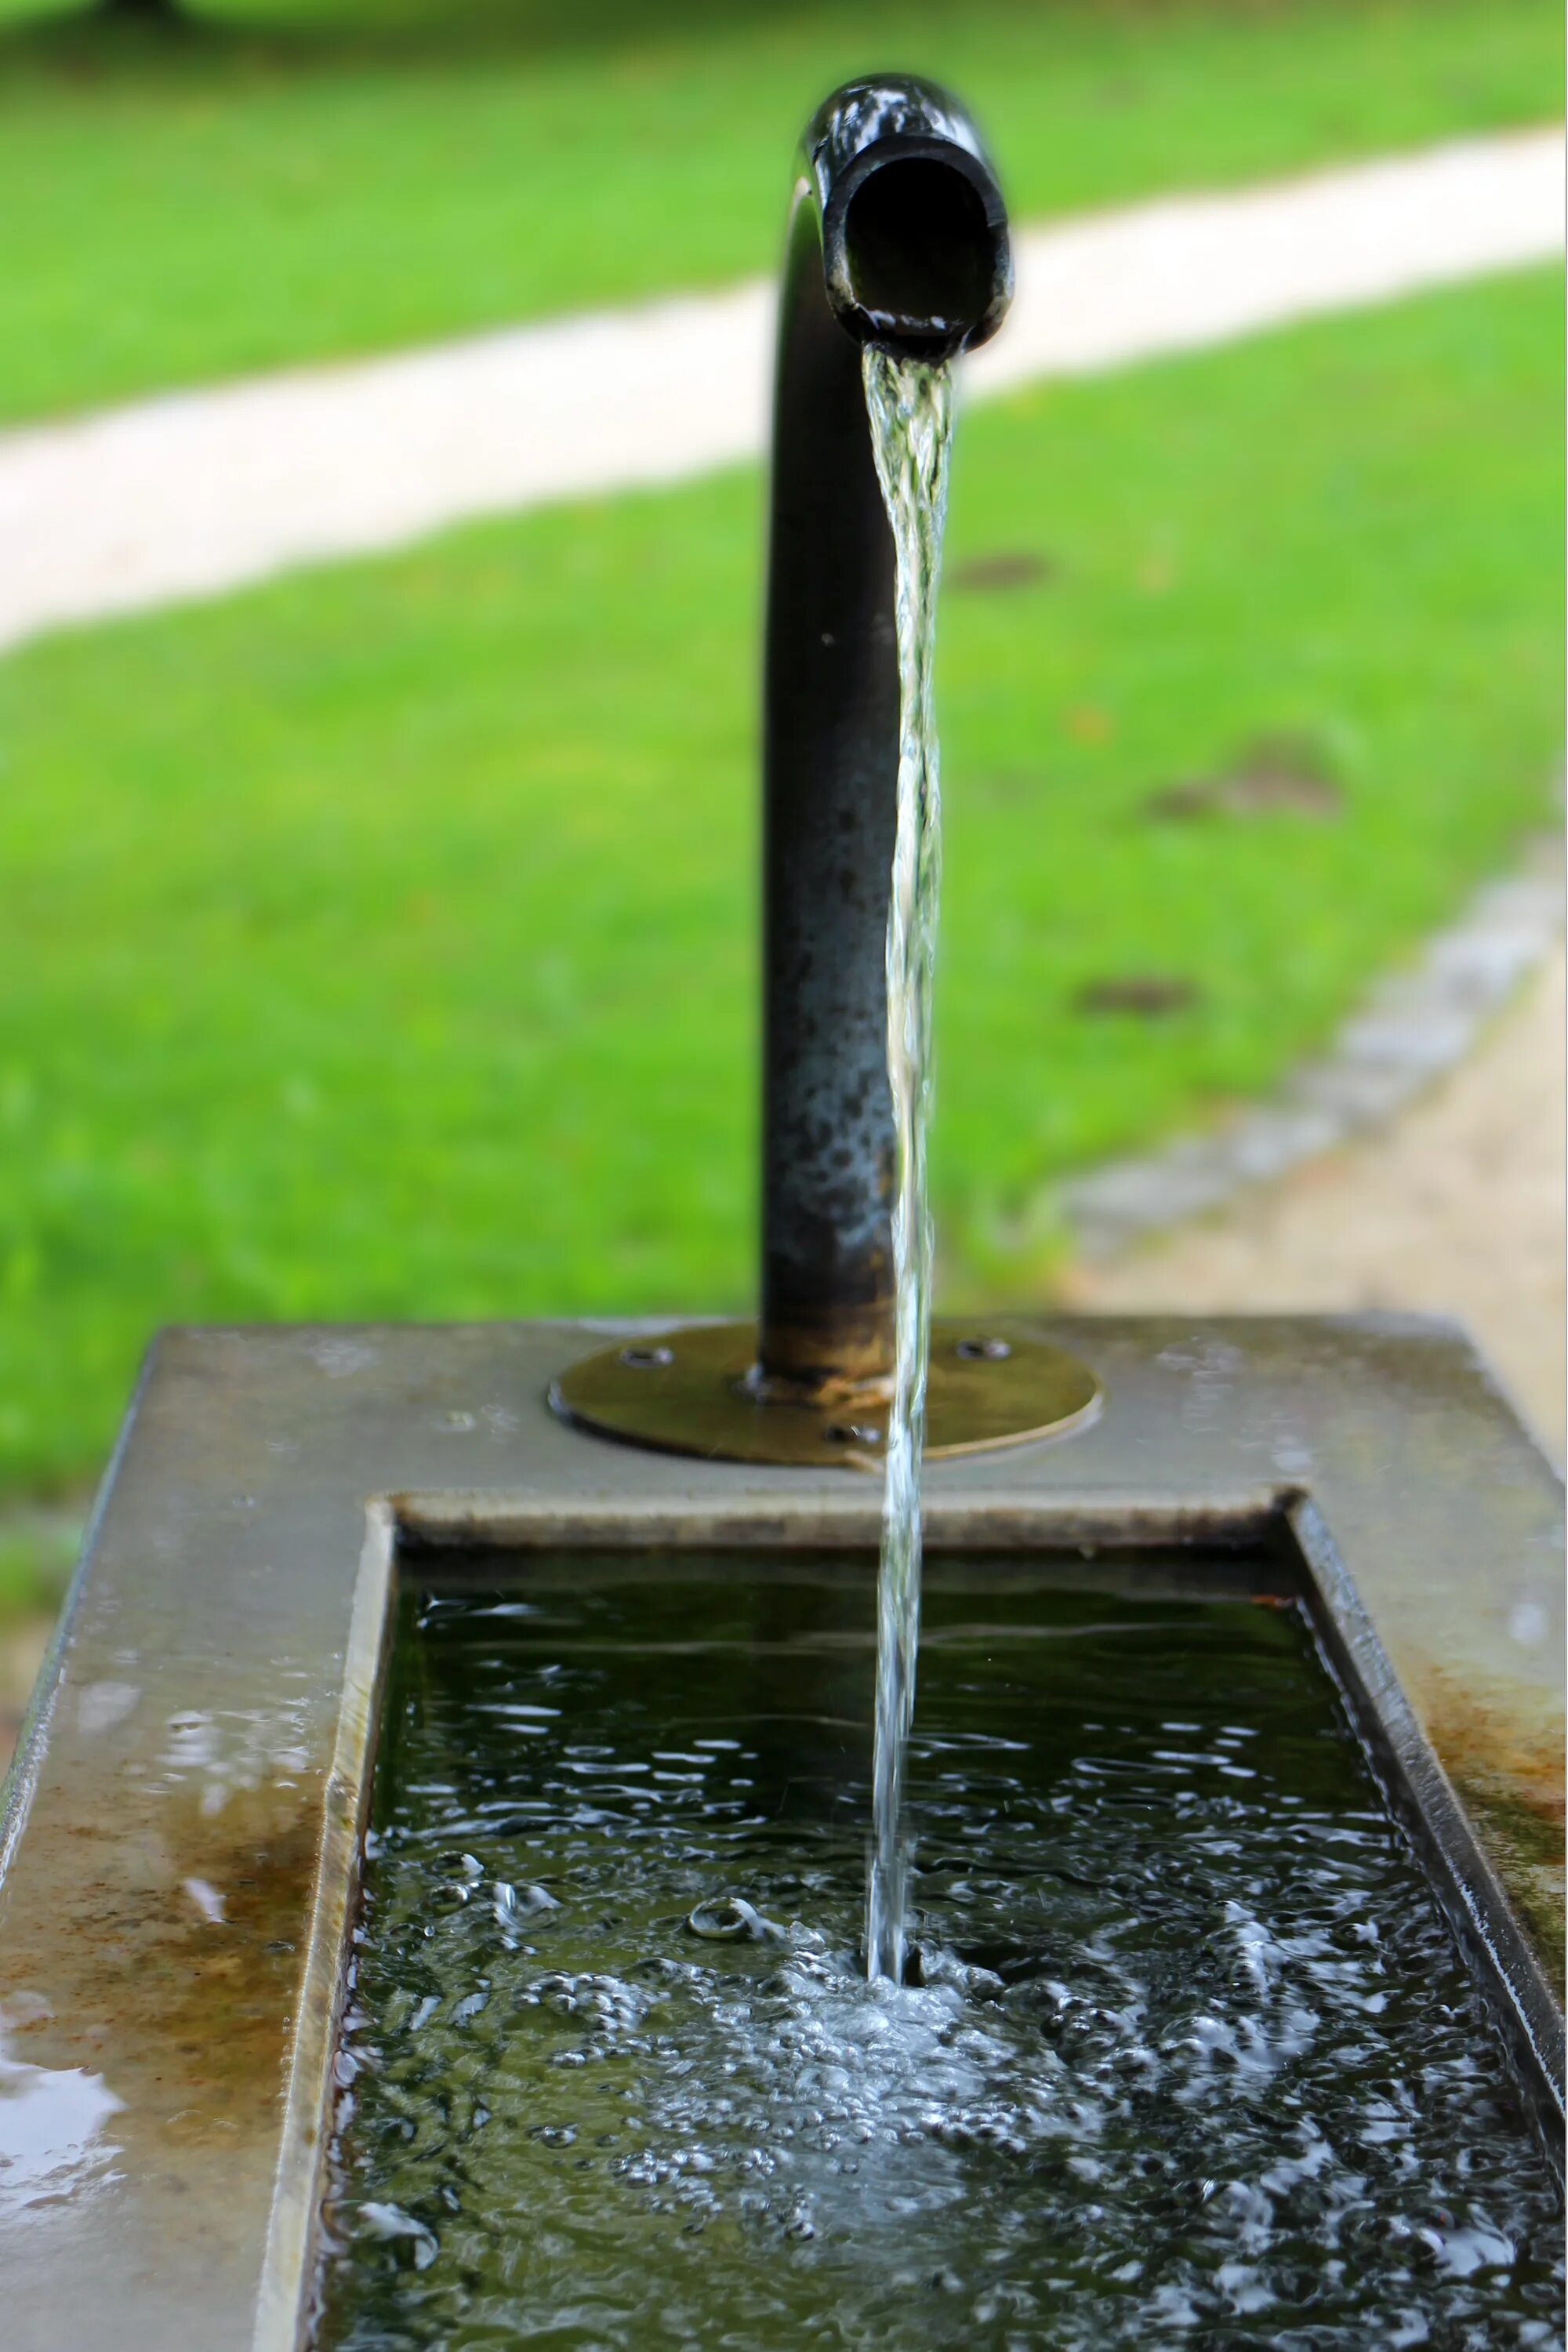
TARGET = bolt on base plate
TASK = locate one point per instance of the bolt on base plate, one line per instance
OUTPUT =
(694, 1392)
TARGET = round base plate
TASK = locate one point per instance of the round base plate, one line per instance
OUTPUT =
(687, 1392)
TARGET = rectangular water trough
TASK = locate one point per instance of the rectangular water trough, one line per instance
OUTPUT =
(183, 1821)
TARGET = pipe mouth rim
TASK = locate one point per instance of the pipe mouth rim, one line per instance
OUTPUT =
(927, 306)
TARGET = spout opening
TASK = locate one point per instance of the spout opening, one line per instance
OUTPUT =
(920, 253)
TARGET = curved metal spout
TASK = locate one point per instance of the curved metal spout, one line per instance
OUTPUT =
(897, 236)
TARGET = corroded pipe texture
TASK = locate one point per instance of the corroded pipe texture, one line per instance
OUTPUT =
(896, 236)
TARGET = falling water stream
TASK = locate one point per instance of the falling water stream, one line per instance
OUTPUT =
(909, 402)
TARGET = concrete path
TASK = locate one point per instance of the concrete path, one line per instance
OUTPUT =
(199, 492)
(1455, 1209)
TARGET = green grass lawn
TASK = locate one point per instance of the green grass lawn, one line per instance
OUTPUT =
(382, 942)
(290, 179)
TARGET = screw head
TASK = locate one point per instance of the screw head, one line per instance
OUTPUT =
(988, 1351)
(645, 1359)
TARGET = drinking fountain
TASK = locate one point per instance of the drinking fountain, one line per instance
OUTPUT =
(320, 1547)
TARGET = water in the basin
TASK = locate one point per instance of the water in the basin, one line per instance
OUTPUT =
(910, 403)
(1194, 2060)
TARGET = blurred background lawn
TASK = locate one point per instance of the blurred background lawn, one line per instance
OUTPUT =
(381, 942)
(279, 180)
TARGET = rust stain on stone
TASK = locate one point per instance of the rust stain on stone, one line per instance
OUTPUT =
(177, 1977)
(1508, 1773)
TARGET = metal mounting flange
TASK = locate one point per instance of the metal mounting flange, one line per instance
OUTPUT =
(696, 1391)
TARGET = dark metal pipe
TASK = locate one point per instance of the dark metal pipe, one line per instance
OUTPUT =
(896, 236)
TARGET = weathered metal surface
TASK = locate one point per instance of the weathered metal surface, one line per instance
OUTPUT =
(183, 1810)
(697, 1391)
(830, 719)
